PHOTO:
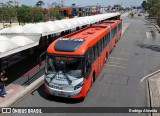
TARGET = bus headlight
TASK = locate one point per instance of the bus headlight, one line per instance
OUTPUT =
(79, 85)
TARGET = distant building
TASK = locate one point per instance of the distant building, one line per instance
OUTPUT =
(103, 10)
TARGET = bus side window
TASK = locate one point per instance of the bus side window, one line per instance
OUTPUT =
(97, 50)
(94, 51)
(88, 62)
(99, 46)
(105, 40)
(102, 43)
(108, 37)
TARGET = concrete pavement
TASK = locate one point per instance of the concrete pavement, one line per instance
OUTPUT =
(7, 25)
(153, 84)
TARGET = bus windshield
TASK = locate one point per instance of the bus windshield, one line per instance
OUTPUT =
(68, 65)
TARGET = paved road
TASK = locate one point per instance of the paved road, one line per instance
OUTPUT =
(119, 84)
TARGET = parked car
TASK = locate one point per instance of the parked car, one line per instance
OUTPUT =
(139, 14)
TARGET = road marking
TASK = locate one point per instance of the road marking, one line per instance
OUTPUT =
(118, 58)
(148, 34)
(115, 66)
(125, 27)
(144, 78)
(115, 63)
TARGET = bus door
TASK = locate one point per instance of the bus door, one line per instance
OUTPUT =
(88, 67)
(98, 58)
(95, 59)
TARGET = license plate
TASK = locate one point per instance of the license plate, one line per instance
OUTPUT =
(56, 87)
(61, 94)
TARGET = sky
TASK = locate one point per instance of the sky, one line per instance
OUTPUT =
(82, 2)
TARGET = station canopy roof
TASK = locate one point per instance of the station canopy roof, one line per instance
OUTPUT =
(18, 38)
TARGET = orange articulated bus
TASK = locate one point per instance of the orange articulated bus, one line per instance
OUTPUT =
(115, 30)
(74, 61)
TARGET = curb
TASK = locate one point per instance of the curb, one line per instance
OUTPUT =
(157, 27)
(153, 94)
(23, 92)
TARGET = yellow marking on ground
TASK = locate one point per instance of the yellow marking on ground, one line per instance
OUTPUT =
(115, 66)
(115, 63)
(125, 27)
(118, 58)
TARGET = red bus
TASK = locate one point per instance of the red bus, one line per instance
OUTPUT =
(115, 30)
(74, 61)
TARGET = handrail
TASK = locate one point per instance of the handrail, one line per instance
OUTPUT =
(27, 73)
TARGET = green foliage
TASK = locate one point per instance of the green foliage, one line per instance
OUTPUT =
(155, 8)
(144, 5)
(152, 6)
(36, 14)
(55, 14)
(23, 14)
(26, 14)
(7, 13)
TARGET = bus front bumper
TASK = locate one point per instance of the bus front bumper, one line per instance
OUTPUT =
(63, 93)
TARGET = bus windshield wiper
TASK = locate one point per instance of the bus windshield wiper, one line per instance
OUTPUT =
(53, 77)
(67, 78)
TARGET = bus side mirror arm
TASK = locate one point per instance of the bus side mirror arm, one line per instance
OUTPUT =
(40, 58)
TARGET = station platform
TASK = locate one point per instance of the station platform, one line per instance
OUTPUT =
(23, 77)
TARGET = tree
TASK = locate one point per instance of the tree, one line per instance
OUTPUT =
(40, 3)
(55, 14)
(4, 14)
(36, 14)
(23, 14)
(7, 13)
(144, 5)
(154, 10)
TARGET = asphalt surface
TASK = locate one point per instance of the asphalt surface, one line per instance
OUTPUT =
(119, 84)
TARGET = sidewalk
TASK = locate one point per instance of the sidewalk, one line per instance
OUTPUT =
(13, 24)
(20, 87)
(157, 27)
(17, 85)
(154, 92)
(153, 84)
(16, 92)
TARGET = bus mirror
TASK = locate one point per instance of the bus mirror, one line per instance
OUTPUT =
(40, 58)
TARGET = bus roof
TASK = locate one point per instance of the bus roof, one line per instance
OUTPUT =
(77, 43)
(111, 22)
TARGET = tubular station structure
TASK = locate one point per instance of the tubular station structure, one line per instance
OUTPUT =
(32, 37)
